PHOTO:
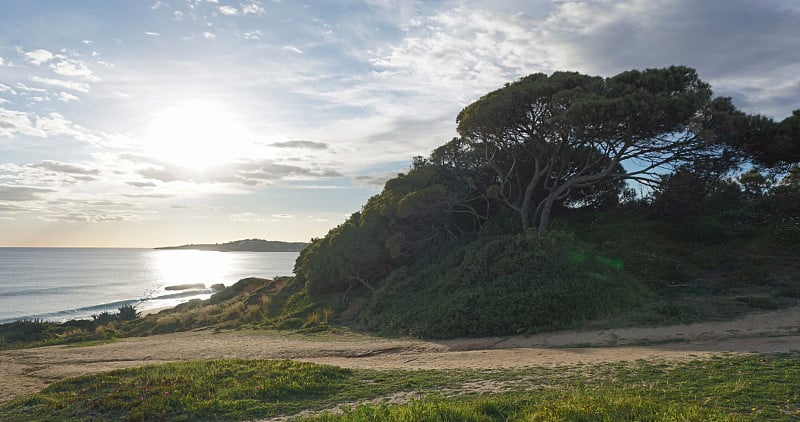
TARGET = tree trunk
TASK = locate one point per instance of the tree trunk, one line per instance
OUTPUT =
(524, 216)
(547, 209)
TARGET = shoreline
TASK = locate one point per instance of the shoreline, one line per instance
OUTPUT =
(153, 311)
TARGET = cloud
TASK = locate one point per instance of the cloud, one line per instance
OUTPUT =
(247, 216)
(209, 35)
(300, 144)
(38, 57)
(21, 193)
(252, 35)
(74, 68)
(164, 174)
(71, 85)
(283, 216)
(142, 184)
(293, 49)
(152, 34)
(248, 173)
(2, 62)
(21, 86)
(375, 181)
(14, 122)
(87, 217)
(156, 5)
(67, 97)
(253, 8)
(59, 167)
(228, 10)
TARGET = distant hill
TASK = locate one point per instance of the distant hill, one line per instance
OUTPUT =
(247, 245)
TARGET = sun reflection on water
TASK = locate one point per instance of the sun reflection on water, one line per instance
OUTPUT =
(179, 267)
(188, 266)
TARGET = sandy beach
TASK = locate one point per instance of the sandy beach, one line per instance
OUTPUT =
(30, 370)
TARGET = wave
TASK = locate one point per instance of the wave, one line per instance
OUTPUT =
(86, 312)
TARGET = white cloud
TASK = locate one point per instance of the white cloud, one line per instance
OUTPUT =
(209, 35)
(22, 193)
(1, 61)
(151, 34)
(71, 85)
(177, 15)
(74, 68)
(38, 57)
(253, 8)
(22, 87)
(252, 35)
(293, 49)
(228, 10)
(156, 5)
(247, 216)
(66, 97)
(14, 123)
(283, 216)
(87, 42)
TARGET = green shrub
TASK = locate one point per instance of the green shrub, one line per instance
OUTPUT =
(503, 285)
(127, 313)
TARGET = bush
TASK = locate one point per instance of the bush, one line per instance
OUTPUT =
(127, 313)
(500, 286)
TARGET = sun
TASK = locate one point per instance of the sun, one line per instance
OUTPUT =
(195, 134)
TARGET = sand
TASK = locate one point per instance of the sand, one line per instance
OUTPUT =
(30, 370)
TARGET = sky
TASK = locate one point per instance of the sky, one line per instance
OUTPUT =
(161, 122)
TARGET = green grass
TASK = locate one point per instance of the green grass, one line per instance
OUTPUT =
(210, 390)
(724, 388)
(748, 388)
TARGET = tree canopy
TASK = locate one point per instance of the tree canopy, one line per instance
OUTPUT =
(567, 132)
(547, 144)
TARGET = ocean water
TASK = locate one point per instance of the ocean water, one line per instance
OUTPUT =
(59, 284)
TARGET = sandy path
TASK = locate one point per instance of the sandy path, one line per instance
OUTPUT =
(30, 370)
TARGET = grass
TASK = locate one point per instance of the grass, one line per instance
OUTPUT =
(724, 388)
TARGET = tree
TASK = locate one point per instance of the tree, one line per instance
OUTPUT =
(756, 138)
(568, 132)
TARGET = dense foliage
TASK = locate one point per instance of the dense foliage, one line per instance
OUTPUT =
(503, 285)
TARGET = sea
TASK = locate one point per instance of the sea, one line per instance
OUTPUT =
(59, 284)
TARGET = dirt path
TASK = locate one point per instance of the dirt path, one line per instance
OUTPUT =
(30, 370)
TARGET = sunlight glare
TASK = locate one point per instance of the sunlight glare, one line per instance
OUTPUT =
(195, 134)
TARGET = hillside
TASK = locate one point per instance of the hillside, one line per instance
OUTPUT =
(246, 245)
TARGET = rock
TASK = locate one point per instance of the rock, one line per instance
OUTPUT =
(218, 287)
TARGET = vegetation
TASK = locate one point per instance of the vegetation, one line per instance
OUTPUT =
(528, 212)
(503, 285)
(729, 388)
(35, 332)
